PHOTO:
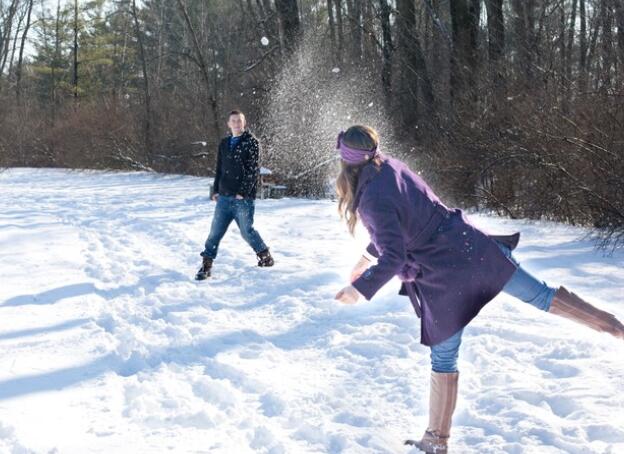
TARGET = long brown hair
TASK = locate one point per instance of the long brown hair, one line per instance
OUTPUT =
(362, 138)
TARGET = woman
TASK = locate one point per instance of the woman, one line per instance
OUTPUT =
(449, 268)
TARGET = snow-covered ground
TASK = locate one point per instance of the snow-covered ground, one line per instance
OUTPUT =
(107, 344)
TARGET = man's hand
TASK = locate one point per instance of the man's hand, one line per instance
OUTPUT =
(214, 197)
(348, 295)
(359, 268)
(239, 197)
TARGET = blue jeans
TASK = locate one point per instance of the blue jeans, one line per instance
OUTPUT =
(523, 286)
(230, 209)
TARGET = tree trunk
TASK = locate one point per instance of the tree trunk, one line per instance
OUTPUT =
(370, 44)
(159, 62)
(442, 44)
(146, 88)
(596, 22)
(75, 82)
(465, 21)
(496, 48)
(583, 48)
(619, 16)
(6, 36)
(570, 45)
(332, 26)
(607, 43)
(14, 47)
(356, 21)
(288, 12)
(18, 73)
(386, 69)
(269, 19)
(340, 28)
(57, 59)
(563, 59)
(414, 72)
(201, 62)
(522, 32)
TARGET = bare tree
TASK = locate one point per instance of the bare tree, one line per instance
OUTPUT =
(619, 15)
(415, 75)
(6, 33)
(522, 28)
(496, 47)
(606, 17)
(75, 65)
(20, 60)
(386, 72)
(146, 86)
(288, 12)
(465, 23)
(583, 48)
(200, 60)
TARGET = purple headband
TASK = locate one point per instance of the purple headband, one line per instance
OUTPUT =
(353, 155)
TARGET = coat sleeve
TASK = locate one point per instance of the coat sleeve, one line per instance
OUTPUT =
(215, 186)
(251, 169)
(385, 226)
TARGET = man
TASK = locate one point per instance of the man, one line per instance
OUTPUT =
(235, 186)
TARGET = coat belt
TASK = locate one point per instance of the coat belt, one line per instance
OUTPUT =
(440, 214)
(410, 275)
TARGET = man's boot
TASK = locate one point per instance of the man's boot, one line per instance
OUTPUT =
(571, 306)
(204, 271)
(265, 259)
(442, 400)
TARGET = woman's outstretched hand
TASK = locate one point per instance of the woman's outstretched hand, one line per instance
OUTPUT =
(348, 295)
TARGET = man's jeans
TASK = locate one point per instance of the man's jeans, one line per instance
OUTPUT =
(523, 286)
(230, 209)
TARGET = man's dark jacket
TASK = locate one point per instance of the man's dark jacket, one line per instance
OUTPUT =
(238, 169)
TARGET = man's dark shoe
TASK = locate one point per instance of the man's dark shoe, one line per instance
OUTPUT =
(265, 259)
(204, 271)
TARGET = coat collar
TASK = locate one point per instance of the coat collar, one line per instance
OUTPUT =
(244, 136)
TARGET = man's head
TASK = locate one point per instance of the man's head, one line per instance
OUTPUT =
(236, 122)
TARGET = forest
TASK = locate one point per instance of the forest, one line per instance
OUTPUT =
(511, 106)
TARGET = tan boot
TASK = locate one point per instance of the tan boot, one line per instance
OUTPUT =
(442, 400)
(571, 306)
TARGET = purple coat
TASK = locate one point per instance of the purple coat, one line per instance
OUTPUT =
(449, 268)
